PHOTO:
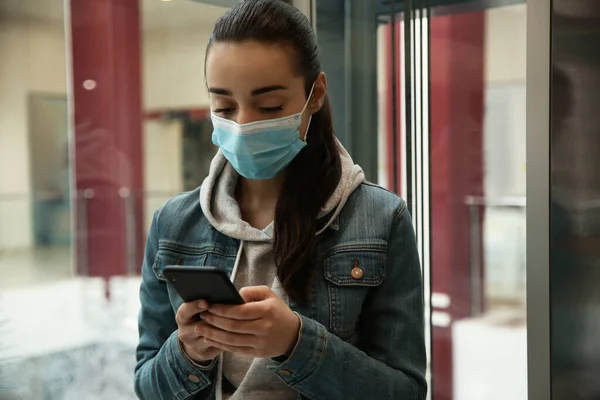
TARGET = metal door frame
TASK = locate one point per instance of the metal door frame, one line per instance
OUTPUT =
(538, 199)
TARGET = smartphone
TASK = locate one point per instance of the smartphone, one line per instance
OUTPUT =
(202, 283)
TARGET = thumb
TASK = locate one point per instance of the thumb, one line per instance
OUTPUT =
(256, 293)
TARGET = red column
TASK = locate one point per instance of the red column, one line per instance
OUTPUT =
(107, 145)
(457, 101)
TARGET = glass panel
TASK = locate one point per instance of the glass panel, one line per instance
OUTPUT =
(453, 145)
(477, 161)
(103, 116)
(36, 203)
(348, 45)
(575, 201)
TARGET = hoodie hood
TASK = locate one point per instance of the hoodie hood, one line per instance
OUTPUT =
(219, 205)
(352, 177)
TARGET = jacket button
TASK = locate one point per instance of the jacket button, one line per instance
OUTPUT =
(193, 378)
(285, 372)
(356, 273)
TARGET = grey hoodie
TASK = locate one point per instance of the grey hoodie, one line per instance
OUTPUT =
(255, 266)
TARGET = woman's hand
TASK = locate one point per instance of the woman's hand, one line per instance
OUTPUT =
(263, 327)
(193, 343)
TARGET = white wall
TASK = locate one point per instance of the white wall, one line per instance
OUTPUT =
(505, 74)
(163, 175)
(34, 60)
(174, 68)
(506, 44)
(505, 151)
(173, 79)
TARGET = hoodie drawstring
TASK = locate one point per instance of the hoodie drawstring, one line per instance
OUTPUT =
(219, 390)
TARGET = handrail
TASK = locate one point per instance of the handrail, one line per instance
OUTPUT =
(81, 201)
(474, 204)
(516, 202)
(84, 194)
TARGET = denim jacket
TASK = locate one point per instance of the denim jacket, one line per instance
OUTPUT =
(361, 336)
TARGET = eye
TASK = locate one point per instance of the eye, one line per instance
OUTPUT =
(223, 110)
(271, 109)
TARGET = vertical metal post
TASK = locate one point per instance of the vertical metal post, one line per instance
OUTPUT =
(408, 101)
(538, 197)
(130, 235)
(361, 84)
(475, 259)
(83, 236)
(394, 67)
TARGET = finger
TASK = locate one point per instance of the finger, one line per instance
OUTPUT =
(248, 311)
(251, 327)
(187, 334)
(242, 350)
(256, 293)
(202, 351)
(186, 313)
(224, 337)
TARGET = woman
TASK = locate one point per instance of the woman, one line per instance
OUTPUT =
(326, 262)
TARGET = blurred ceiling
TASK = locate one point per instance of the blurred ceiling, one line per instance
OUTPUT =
(156, 14)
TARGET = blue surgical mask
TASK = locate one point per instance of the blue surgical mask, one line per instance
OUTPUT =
(262, 149)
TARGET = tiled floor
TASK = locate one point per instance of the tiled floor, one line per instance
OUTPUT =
(39, 290)
(63, 339)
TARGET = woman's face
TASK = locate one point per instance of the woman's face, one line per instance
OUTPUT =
(252, 81)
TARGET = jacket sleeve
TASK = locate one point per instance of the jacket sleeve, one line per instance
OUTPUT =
(162, 370)
(391, 360)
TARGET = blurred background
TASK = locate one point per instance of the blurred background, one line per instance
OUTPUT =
(104, 116)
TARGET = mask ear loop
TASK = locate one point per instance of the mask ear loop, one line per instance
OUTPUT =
(304, 109)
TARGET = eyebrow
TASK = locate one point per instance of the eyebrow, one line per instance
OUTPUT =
(255, 92)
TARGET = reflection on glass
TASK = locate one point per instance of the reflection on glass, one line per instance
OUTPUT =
(575, 201)
(476, 116)
(477, 155)
(96, 131)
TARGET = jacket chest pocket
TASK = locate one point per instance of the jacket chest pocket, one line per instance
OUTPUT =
(170, 253)
(351, 270)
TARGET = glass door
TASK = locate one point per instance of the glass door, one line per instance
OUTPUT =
(89, 148)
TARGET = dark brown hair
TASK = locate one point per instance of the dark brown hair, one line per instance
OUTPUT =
(314, 174)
